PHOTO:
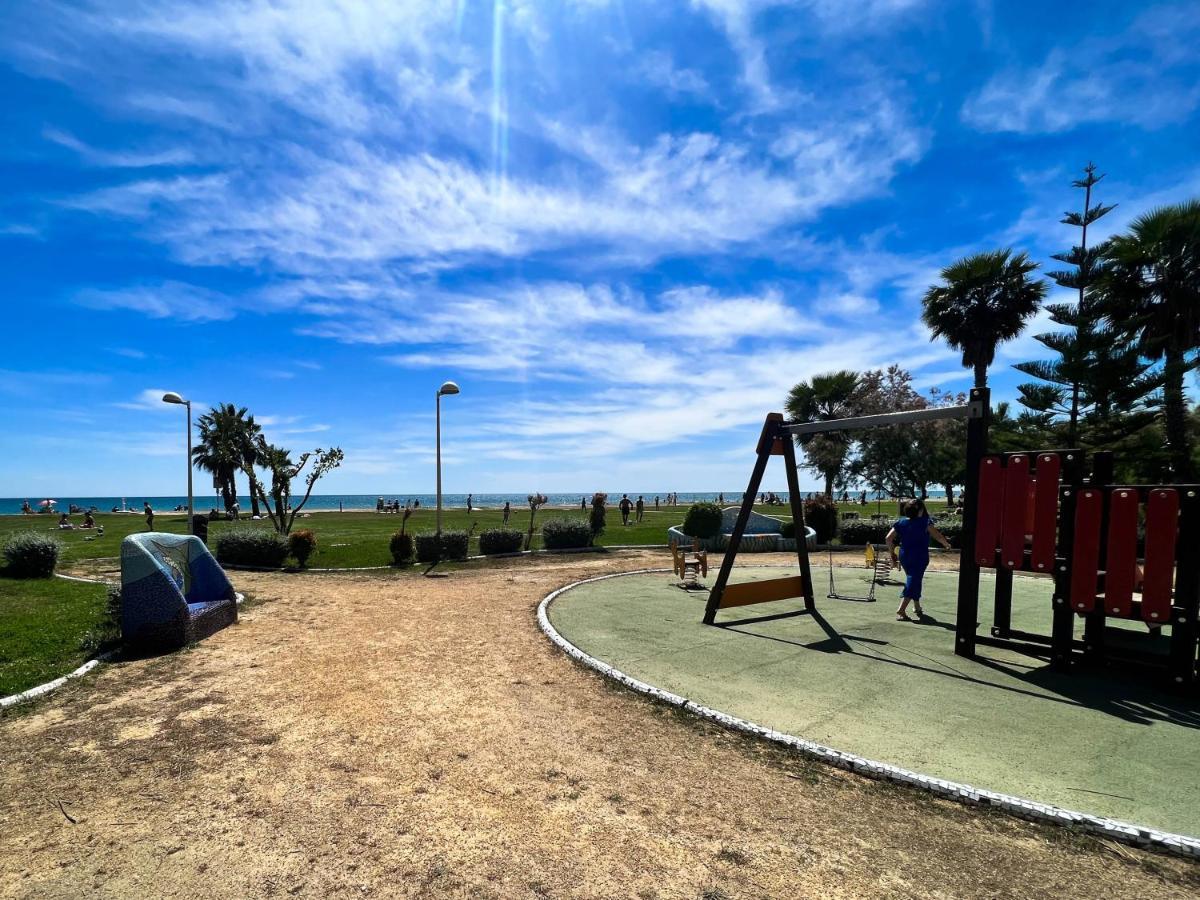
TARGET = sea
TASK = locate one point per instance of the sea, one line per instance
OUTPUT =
(133, 503)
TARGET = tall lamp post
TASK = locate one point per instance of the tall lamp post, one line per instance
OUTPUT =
(445, 390)
(172, 397)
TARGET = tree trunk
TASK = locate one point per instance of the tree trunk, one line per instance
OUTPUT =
(1179, 447)
(981, 374)
(949, 495)
(829, 484)
(1073, 424)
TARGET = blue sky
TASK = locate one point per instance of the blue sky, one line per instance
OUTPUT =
(625, 229)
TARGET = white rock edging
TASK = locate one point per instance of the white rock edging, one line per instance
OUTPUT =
(1139, 835)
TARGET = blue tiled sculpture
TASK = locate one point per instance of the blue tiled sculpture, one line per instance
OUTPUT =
(172, 591)
(761, 535)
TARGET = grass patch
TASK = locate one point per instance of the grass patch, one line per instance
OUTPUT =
(43, 624)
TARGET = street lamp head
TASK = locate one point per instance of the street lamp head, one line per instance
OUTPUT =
(448, 388)
(172, 397)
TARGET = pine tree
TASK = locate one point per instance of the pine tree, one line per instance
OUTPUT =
(1096, 374)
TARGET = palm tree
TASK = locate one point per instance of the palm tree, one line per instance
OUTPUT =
(1150, 290)
(828, 396)
(219, 448)
(984, 301)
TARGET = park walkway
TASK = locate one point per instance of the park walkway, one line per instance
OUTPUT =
(394, 735)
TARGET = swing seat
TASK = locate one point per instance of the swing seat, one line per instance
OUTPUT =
(765, 591)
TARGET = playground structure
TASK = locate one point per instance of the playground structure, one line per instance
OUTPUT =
(1033, 512)
(1039, 512)
(173, 592)
(689, 566)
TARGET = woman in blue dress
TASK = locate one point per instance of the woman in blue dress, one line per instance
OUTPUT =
(913, 532)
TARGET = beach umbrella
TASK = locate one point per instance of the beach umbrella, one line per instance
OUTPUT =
(47, 503)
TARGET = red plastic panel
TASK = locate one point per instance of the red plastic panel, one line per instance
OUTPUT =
(1121, 565)
(1085, 554)
(989, 510)
(1162, 529)
(1045, 512)
(1016, 494)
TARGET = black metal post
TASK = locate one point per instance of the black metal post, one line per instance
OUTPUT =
(968, 569)
(1062, 634)
(1094, 621)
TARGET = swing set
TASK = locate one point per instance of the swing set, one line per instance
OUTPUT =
(777, 440)
(1120, 552)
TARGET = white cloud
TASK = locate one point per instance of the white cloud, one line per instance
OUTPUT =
(150, 399)
(1144, 75)
(166, 300)
(124, 159)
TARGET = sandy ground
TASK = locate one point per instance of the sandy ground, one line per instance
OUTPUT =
(383, 735)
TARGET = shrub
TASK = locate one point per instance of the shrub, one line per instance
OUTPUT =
(401, 546)
(301, 545)
(952, 528)
(31, 555)
(597, 515)
(703, 520)
(864, 532)
(252, 547)
(500, 540)
(787, 530)
(821, 515)
(566, 534)
(453, 546)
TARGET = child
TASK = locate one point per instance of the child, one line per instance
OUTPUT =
(913, 531)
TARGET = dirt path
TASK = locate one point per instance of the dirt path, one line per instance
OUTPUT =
(384, 735)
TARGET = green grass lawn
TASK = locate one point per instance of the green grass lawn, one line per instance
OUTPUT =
(43, 622)
(353, 539)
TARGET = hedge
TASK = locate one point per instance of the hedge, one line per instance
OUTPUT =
(703, 520)
(566, 534)
(500, 540)
(864, 532)
(453, 546)
(252, 547)
(31, 555)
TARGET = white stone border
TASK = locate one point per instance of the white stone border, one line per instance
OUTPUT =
(1138, 835)
(42, 689)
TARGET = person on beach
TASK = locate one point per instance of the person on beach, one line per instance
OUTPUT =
(913, 530)
(507, 511)
(583, 503)
(625, 506)
(89, 521)
(641, 508)
(64, 522)
(656, 502)
(469, 503)
(149, 511)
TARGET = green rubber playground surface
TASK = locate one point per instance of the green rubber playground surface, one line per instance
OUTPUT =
(853, 678)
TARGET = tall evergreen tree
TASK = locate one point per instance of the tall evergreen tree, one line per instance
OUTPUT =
(1096, 370)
